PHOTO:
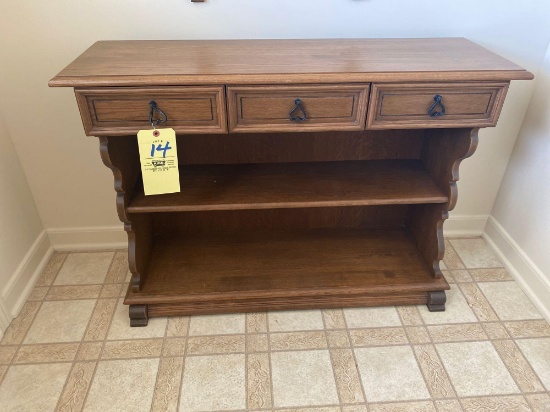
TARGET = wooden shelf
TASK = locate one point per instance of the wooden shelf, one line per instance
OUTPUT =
(211, 273)
(294, 185)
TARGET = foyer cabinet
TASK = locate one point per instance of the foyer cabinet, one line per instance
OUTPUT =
(314, 173)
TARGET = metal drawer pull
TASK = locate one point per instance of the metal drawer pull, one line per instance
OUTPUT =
(292, 115)
(154, 108)
(437, 101)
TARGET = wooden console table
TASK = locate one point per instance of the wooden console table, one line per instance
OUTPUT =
(314, 173)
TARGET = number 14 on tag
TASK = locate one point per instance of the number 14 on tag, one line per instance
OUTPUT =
(159, 161)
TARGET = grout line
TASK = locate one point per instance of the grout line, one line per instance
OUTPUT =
(336, 387)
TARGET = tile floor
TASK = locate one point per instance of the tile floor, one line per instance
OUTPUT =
(71, 349)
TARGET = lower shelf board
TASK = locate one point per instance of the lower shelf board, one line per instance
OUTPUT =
(239, 272)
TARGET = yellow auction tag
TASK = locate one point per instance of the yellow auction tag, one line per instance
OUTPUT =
(159, 161)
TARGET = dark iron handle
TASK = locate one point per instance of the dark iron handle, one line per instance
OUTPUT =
(154, 108)
(437, 101)
(298, 107)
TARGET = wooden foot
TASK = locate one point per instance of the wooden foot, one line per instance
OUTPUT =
(436, 301)
(138, 315)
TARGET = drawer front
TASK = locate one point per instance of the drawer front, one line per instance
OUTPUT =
(395, 106)
(324, 107)
(124, 111)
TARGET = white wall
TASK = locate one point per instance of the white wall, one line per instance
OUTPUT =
(73, 189)
(23, 243)
(520, 226)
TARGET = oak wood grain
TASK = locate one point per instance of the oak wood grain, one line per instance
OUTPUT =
(292, 185)
(394, 106)
(184, 62)
(114, 111)
(289, 264)
(267, 108)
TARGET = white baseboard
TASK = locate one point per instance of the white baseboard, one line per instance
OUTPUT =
(88, 238)
(21, 282)
(528, 275)
(464, 225)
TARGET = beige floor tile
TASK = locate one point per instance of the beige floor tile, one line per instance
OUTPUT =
(540, 402)
(495, 330)
(418, 334)
(61, 321)
(217, 324)
(89, 351)
(120, 326)
(496, 403)
(256, 322)
(390, 374)
(52, 268)
(378, 336)
(174, 347)
(167, 388)
(101, 319)
(298, 340)
(461, 276)
(458, 332)
(38, 293)
(33, 388)
(334, 319)
(518, 367)
(448, 405)
(476, 369)
(509, 301)
(76, 388)
(426, 406)
(15, 333)
(293, 320)
(213, 383)
(118, 271)
(56, 352)
(354, 408)
(7, 353)
(259, 381)
(257, 343)
(409, 315)
(133, 391)
(303, 378)
(475, 253)
(490, 275)
(372, 317)
(347, 376)
(457, 310)
(84, 268)
(111, 290)
(537, 352)
(451, 260)
(478, 302)
(338, 339)
(448, 277)
(199, 345)
(73, 292)
(177, 326)
(436, 377)
(135, 348)
(528, 329)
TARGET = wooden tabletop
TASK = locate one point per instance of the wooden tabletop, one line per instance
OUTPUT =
(179, 62)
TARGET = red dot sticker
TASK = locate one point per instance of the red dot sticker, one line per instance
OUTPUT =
(156, 133)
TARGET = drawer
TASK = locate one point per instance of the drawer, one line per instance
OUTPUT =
(125, 111)
(395, 106)
(323, 107)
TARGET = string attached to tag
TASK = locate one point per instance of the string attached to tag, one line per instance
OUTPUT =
(154, 122)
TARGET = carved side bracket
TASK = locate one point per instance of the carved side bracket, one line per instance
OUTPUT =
(120, 154)
(442, 153)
